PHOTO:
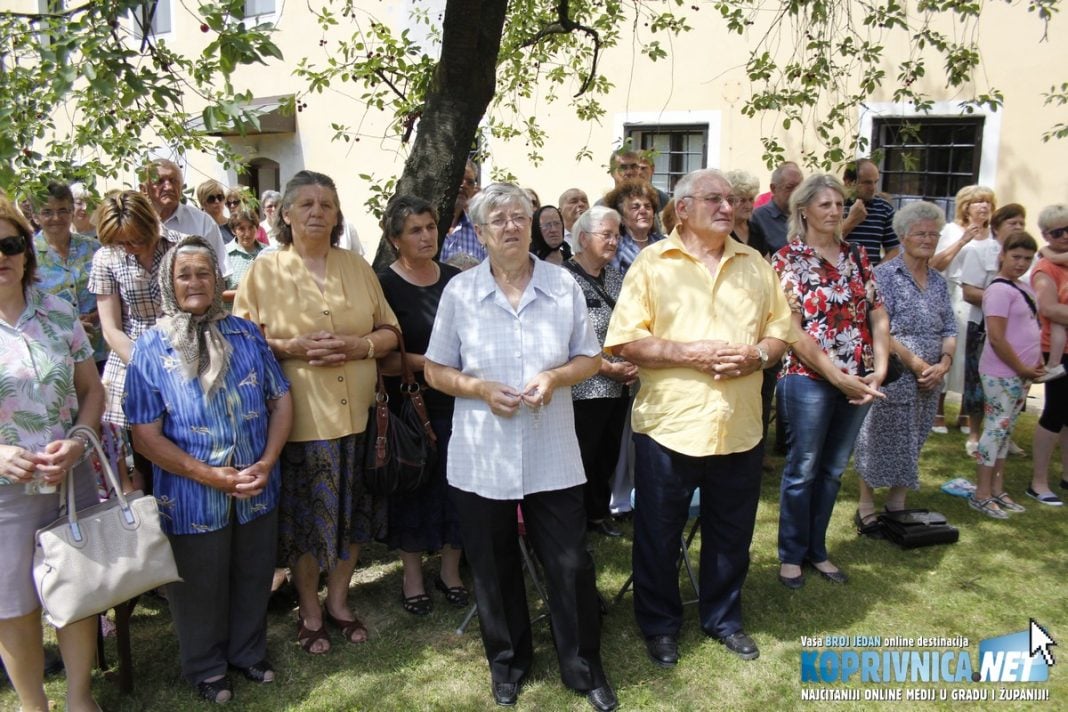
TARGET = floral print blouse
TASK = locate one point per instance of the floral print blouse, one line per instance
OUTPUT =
(38, 402)
(834, 301)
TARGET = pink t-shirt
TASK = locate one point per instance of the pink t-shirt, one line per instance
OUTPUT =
(1021, 329)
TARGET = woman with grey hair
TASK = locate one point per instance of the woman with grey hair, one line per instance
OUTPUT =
(923, 333)
(745, 186)
(511, 337)
(321, 309)
(831, 374)
(211, 409)
(424, 520)
(269, 201)
(601, 400)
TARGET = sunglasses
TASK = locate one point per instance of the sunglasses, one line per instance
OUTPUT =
(1056, 233)
(232, 203)
(14, 245)
(215, 198)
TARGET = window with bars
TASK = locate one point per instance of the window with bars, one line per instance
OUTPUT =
(677, 150)
(928, 158)
(48, 26)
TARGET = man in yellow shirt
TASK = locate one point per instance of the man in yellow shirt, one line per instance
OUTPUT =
(700, 314)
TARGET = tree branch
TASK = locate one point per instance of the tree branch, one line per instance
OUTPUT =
(35, 16)
(565, 25)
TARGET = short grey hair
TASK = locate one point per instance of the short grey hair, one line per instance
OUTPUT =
(684, 188)
(805, 194)
(913, 213)
(596, 214)
(269, 195)
(743, 182)
(1051, 215)
(497, 195)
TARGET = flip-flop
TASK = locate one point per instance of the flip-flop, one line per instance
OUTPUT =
(307, 637)
(347, 628)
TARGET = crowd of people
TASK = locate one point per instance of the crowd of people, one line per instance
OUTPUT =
(577, 362)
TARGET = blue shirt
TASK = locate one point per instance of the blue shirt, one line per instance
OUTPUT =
(228, 430)
(876, 232)
(628, 250)
(69, 279)
(463, 239)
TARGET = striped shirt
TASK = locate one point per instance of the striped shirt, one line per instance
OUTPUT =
(230, 429)
(876, 233)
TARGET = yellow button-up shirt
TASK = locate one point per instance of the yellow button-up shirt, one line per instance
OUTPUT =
(280, 295)
(669, 294)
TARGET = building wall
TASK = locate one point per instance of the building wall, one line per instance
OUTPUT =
(702, 81)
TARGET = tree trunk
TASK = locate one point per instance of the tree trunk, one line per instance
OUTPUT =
(463, 86)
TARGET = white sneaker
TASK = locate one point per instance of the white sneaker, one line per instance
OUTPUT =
(939, 429)
(1051, 374)
(970, 448)
(1016, 450)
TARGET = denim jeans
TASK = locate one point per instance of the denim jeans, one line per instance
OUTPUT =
(821, 429)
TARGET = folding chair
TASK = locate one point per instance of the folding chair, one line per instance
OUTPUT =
(684, 550)
(530, 565)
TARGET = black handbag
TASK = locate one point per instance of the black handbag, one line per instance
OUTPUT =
(400, 452)
(913, 528)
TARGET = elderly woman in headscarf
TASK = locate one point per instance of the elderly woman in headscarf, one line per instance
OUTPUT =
(210, 407)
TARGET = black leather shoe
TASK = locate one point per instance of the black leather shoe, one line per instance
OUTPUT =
(792, 583)
(606, 527)
(741, 645)
(663, 650)
(602, 699)
(505, 694)
(838, 576)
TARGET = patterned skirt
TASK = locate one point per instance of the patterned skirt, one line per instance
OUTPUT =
(323, 506)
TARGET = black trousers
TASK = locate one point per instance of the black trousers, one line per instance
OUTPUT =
(556, 527)
(664, 481)
(220, 606)
(599, 427)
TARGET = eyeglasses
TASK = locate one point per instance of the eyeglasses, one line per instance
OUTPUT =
(470, 182)
(554, 225)
(1056, 233)
(519, 221)
(48, 213)
(636, 207)
(926, 235)
(232, 203)
(716, 199)
(14, 245)
(607, 235)
(215, 198)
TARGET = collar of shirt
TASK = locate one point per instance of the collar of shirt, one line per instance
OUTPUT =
(236, 247)
(464, 223)
(486, 286)
(674, 244)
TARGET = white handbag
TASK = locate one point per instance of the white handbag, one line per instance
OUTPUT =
(89, 561)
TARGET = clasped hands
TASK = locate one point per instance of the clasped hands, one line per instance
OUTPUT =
(504, 400)
(722, 359)
(322, 348)
(241, 484)
(49, 466)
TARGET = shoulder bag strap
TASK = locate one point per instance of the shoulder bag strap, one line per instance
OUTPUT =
(1026, 296)
(409, 386)
(576, 269)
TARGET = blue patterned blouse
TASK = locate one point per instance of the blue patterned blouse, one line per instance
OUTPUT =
(230, 429)
(69, 279)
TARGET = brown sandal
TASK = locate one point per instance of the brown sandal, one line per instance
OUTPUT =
(347, 628)
(306, 637)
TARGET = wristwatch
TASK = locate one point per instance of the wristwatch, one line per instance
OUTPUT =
(763, 354)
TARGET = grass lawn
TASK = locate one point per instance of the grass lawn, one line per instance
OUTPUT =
(1000, 574)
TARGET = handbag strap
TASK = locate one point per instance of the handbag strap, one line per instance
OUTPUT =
(577, 269)
(410, 388)
(1026, 296)
(68, 489)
